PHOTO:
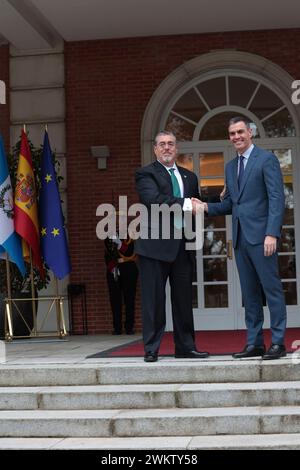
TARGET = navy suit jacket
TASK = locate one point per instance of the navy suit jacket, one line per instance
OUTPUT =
(259, 204)
(154, 186)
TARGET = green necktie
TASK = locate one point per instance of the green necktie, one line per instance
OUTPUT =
(177, 193)
(175, 184)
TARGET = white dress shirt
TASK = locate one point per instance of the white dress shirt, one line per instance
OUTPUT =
(187, 205)
(246, 156)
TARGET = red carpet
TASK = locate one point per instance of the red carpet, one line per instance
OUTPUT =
(216, 342)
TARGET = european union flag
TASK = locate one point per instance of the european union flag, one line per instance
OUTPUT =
(53, 236)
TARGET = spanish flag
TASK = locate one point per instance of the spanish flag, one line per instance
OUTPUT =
(26, 211)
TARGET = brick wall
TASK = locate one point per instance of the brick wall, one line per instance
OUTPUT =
(4, 109)
(108, 86)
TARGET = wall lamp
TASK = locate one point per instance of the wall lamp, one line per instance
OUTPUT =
(101, 152)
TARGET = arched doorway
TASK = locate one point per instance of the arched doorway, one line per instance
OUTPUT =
(198, 113)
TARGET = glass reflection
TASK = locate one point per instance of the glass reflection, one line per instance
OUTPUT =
(210, 190)
(265, 102)
(215, 269)
(213, 91)
(185, 160)
(211, 164)
(285, 159)
(280, 125)
(211, 193)
(214, 222)
(190, 106)
(290, 292)
(181, 129)
(288, 217)
(287, 240)
(216, 127)
(216, 296)
(289, 202)
(289, 195)
(240, 90)
(287, 267)
(214, 243)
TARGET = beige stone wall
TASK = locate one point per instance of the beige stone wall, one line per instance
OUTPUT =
(37, 97)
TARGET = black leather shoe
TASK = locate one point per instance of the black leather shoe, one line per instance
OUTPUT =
(116, 332)
(275, 352)
(130, 332)
(150, 357)
(192, 355)
(250, 351)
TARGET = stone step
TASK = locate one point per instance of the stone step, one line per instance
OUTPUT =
(139, 396)
(229, 442)
(155, 422)
(172, 371)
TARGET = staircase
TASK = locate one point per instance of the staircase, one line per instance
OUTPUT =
(171, 404)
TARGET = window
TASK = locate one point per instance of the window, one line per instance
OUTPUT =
(202, 112)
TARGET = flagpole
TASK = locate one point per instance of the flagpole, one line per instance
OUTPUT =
(8, 283)
(51, 216)
(33, 298)
(8, 319)
(58, 315)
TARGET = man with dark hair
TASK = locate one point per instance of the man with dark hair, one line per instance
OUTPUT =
(255, 198)
(163, 182)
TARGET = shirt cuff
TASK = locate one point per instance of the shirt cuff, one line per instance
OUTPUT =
(187, 205)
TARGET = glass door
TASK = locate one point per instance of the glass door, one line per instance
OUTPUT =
(215, 278)
(289, 242)
(216, 308)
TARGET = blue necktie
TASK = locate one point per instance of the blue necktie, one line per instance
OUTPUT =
(177, 193)
(241, 171)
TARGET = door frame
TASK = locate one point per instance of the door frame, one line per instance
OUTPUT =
(215, 318)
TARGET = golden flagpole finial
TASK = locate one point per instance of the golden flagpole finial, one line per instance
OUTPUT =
(24, 128)
(46, 127)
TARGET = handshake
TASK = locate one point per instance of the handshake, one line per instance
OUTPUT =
(198, 206)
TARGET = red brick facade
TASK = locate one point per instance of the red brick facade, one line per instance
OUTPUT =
(108, 85)
(4, 109)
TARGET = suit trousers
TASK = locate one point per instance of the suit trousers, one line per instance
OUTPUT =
(153, 276)
(256, 270)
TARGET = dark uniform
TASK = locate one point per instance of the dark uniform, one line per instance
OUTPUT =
(122, 275)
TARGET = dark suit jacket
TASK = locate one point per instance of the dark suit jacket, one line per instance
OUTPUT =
(154, 186)
(259, 204)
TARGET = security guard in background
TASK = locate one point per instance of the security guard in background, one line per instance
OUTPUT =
(122, 275)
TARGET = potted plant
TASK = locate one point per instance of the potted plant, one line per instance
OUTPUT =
(21, 287)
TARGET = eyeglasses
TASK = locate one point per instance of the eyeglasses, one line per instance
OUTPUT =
(164, 144)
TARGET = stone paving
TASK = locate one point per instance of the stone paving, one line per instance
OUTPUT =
(74, 349)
